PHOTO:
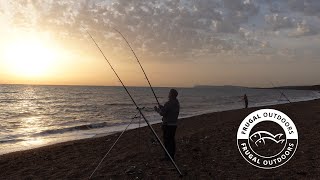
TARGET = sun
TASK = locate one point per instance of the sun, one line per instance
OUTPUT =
(28, 57)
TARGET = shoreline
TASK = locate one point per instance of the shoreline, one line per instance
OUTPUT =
(206, 148)
(71, 137)
(132, 127)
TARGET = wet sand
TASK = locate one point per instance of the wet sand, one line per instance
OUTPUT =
(206, 149)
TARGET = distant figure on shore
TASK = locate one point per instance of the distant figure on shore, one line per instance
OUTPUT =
(246, 102)
(170, 112)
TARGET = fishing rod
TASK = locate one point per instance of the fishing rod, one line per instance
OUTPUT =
(145, 74)
(138, 108)
(281, 92)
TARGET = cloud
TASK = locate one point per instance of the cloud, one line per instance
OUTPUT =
(277, 21)
(308, 7)
(304, 29)
(172, 28)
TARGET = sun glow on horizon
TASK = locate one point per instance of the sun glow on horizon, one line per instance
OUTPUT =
(29, 57)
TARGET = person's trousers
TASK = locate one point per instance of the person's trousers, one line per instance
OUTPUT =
(169, 133)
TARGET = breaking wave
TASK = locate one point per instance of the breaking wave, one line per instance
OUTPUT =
(77, 128)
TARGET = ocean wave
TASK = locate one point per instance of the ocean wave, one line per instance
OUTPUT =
(7, 101)
(148, 109)
(8, 92)
(75, 128)
(8, 141)
(127, 104)
(19, 114)
(118, 104)
(18, 100)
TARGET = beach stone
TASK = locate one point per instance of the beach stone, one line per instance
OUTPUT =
(131, 170)
(302, 173)
(196, 149)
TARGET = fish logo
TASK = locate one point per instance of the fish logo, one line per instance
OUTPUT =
(260, 137)
(267, 138)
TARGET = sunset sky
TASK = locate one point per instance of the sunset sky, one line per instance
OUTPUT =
(179, 42)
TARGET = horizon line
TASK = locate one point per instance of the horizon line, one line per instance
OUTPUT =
(92, 85)
(153, 86)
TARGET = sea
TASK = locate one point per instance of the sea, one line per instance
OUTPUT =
(32, 116)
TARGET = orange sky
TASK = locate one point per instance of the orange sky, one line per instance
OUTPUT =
(42, 43)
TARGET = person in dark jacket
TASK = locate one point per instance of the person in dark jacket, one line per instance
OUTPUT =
(169, 112)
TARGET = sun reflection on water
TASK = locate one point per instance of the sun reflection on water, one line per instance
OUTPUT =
(31, 125)
(35, 142)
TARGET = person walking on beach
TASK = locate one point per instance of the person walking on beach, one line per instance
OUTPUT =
(170, 112)
(246, 102)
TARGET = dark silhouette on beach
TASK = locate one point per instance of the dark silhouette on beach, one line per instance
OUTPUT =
(246, 101)
(170, 112)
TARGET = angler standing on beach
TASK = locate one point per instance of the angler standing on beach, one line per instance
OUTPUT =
(246, 101)
(170, 112)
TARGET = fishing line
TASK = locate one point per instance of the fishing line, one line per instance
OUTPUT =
(104, 157)
(137, 107)
(139, 63)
